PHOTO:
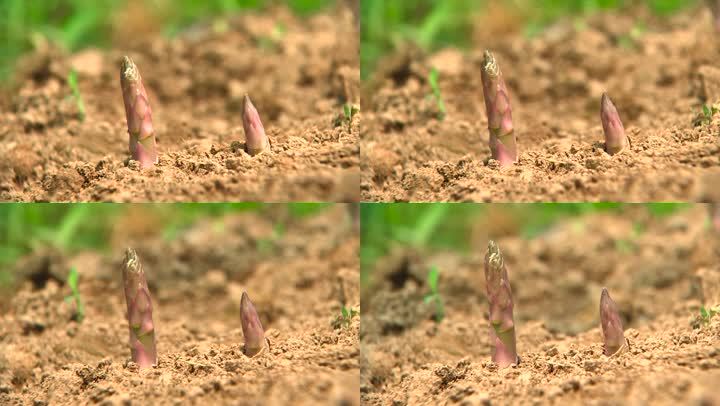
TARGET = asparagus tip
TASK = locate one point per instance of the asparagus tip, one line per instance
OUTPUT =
(495, 258)
(251, 326)
(131, 262)
(128, 69)
(490, 65)
(612, 328)
(615, 139)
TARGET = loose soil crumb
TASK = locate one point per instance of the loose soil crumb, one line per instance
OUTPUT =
(658, 278)
(658, 81)
(296, 282)
(299, 78)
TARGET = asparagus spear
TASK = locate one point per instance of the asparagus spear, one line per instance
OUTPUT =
(503, 144)
(612, 327)
(252, 329)
(139, 311)
(615, 139)
(502, 332)
(255, 139)
(138, 114)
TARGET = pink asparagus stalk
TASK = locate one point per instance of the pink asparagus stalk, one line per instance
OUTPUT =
(715, 215)
(503, 144)
(502, 332)
(615, 139)
(612, 327)
(139, 311)
(252, 329)
(255, 139)
(138, 115)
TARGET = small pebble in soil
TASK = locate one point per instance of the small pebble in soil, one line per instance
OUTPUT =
(590, 365)
(478, 399)
(571, 385)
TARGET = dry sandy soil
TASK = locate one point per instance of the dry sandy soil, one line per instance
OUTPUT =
(298, 80)
(297, 284)
(658, 278)
(657, 80)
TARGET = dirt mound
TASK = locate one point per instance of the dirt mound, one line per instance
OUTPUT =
(297, 282)
(659, 278)
(299, 74)
(657, 79)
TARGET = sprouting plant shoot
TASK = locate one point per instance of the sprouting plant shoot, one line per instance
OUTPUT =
(708, 313)
(253, 331)
(705, 117)
(139, 311)
(73, 83)
(503, 143)
(72, 280)
(267, 245)
(612, 327)
(271, 42)
(345, 317)
(434, 295)
(500, 301)
(138, 114)
(615, 138)
(350, 110)
(433, 80)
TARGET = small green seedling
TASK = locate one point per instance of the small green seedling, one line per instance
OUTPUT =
(272, 42)
(349, 111)
(72, 280)
(631, 40)
(434, 295)
(433, 79)
(269, 244)
(345, 317)
(73, 83)
(705, 315)
(705, 117)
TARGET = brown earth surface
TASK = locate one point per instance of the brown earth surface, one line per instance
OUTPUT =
(297, 283)
(659, 278)
(299, 80)
(657, 79)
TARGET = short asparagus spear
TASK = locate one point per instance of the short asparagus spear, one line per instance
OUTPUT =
(612, 327)
(615, 139)
(502, 331)
(503, 144)
(138, 114)
(255, 139)
(252, 329)
(139, 311)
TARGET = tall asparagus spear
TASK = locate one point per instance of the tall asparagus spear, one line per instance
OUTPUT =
(139, 311)
(615, 139)
(255, 139)
(612, 327)
(503, 144)
(138, 115)
(252, 329)
(502, 331)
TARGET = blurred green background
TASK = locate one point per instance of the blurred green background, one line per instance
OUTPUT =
(76, 24)
(435, 226)
(74, 227)
(434, 24)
